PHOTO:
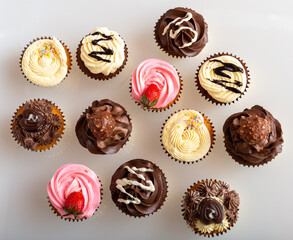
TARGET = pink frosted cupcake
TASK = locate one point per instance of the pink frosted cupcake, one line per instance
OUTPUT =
(155, 85)
(74, 192)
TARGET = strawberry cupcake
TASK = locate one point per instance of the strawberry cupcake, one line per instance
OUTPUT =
(155, 85)
(74, 192)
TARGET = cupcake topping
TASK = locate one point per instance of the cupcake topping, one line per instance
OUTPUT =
(223, 78)
(102, 51)
(31, 120)
(150, 96)
(74, 204)
(44, 62)
(210, 210)
(185, 136)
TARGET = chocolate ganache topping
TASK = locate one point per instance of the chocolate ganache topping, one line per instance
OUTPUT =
(138, 187)
(182, 32)
(36, 125)
(210, 205)
(253, 137)
(104, 127)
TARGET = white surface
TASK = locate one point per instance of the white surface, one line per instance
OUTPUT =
(260, 32)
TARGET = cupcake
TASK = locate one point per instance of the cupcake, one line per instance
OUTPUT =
(222, 78)
(187, 136)
(74, 192)
(138, 188)
(37, 125)
(102, 54)
(210, 207)
(181, 32)
(253, 137)
(104, 127)
(155, 85)
(45, 61)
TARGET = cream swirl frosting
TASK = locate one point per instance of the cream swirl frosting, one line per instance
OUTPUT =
(72, 178)
(185, 136)
(102, 51)
(223, 77)
(160, 73)
(44, 62)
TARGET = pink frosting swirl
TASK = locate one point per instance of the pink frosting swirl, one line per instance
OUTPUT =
(159, 72)
(72, 178)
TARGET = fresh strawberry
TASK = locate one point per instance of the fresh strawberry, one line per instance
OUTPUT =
(74, 204)
(150, 96)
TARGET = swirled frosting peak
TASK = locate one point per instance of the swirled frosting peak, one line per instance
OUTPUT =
(253, 137)
(73, 178)
(185, 136)
(44, 62)
(104, 127)
(160, 73)
(138, 187)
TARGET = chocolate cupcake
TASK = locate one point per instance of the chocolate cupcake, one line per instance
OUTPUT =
(210, 207)
(222, 78)
(138, 188)
(45, 61)
(104, 127)
(37, 125)
(187, 136)
(102, 54)
(181, 32)
(253, 137)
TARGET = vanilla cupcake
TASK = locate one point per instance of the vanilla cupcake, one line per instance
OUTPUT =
(187, 136)
(46, 61)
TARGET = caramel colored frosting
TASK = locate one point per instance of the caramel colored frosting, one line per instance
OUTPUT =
(253, 137)
(138, 187)
(182, 32)
(104, 127)
(36, 125)
(210, 207)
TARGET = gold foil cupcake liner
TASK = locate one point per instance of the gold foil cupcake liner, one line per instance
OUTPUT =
(57, 111)
(78, 219)
(99, 76)
(157, 40)
(205, 94)
(194, 229)
(68, 54)
(142, 216)
(210, 127)
(171, 104)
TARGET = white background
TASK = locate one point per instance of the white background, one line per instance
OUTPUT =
(260, 32)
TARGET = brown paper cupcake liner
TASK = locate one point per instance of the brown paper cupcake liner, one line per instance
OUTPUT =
(194, 229)
(130, 121)
(212, 132)
(99, 76)
(158, 207)
(157, 39)
(60, 130)
(205, 94)
(169, 105)
(68, 54)
(78, 219)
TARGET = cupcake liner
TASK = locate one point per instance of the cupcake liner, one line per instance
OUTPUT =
(157, 39)
(99, 76)
(169, 105)
(195, 230)
(205, 94)
(78, 219)
(164, 176)
(130, 121)
(60, 130)
(68, 54)
(211, 129)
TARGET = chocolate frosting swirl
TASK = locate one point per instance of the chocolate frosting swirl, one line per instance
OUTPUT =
(144, 187)
(187, 38)
(253, 137)
(210, 211)
(36, 125)
(104, 127)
